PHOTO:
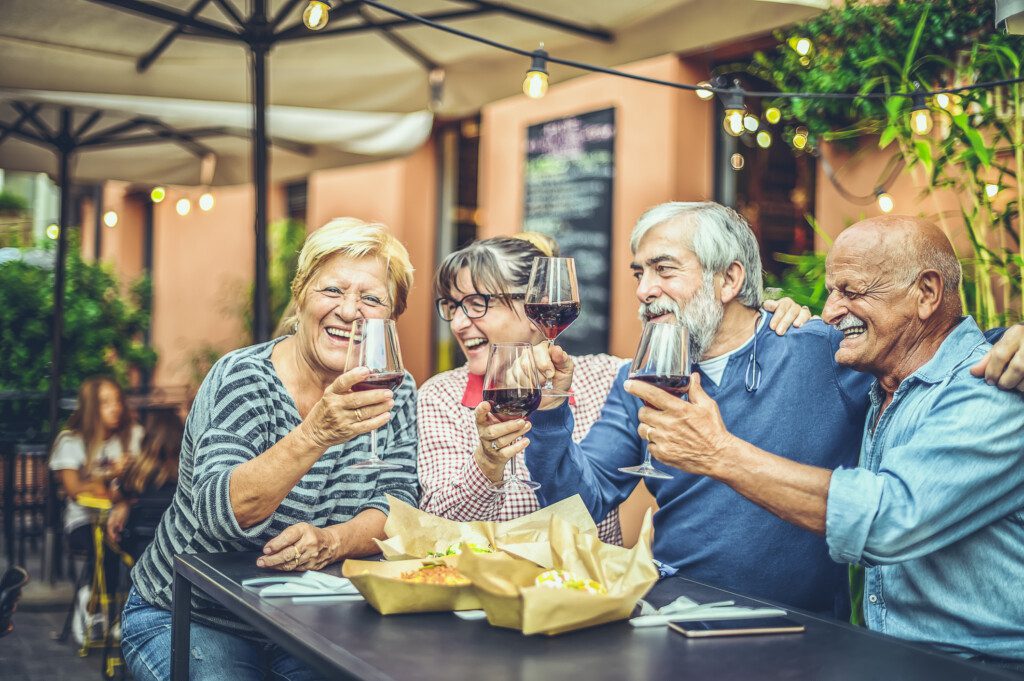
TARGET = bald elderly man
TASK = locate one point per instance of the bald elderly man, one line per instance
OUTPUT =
(935, 508)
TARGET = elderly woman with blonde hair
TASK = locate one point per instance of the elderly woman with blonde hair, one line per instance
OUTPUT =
(266, 460)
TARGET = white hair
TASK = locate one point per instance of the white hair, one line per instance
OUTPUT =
(722, 237)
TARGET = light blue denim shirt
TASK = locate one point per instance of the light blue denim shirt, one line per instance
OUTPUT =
(935, 510)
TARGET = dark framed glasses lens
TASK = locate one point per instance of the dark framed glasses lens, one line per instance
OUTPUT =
(475, 305)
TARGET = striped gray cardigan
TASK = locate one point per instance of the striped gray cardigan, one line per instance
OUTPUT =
(241, 410)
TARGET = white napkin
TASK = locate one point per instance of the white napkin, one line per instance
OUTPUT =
(471, 614)
(305, 587)
(685, 609)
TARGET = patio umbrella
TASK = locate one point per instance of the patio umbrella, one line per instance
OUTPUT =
(365, 60)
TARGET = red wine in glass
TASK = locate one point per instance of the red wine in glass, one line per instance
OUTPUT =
(512, 387)
(384, 380)
(552, 318)
(662, 359)
(508, 404)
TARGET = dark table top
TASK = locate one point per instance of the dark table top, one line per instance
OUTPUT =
(353, 641)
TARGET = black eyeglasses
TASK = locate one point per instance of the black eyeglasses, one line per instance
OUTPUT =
(474, 306)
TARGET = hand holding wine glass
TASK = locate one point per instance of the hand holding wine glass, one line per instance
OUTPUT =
(663, 360)
(374, 344)
(552, 302)
(512, 390)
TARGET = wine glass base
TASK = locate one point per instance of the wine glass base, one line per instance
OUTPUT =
(646, 470)
(379, 464)
(552, 392)
(516, 484)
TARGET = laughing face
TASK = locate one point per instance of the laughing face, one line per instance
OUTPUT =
(866, 304)
(504, 322)
(342, 290)
(673, 287)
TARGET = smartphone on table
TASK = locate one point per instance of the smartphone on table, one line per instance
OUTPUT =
(743, 627)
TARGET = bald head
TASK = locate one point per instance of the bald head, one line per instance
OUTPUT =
(905, 246)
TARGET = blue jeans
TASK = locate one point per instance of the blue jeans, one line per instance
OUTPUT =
(214, 654)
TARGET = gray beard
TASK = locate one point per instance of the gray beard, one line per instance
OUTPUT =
(702, 316)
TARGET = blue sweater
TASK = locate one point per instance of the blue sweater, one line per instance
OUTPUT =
(806, 408)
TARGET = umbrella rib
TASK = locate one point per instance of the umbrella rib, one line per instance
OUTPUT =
(165, 14)
(114, 130)
(299, 31)
(545, 19)
(182, 139)
(146, 60)
(231, 12)
(87, 124)
(31, 117)
(400, 42)
(6, 132)
(283, 12)
(15, 127)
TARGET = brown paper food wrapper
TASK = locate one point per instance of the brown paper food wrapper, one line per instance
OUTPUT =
(505, 583)
(381, 586)
(412, 533)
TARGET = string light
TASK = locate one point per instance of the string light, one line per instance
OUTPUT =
(702, 92)
(751, 123)
(764, 139)
(773, 114)
(206, 202)
(735, 110)
(991, 190)
(885, 201)
(316, 14)
(184, 206)
(942, 101)
(53, 231)
(436, 79)
(110, 218)
(737, 161)
(535, 85)
(158, 194)
(920, 116)
(802, 46)
(800, 137)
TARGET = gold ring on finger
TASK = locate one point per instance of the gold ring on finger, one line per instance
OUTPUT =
(494, 445)
(359, 414)
(297, 554)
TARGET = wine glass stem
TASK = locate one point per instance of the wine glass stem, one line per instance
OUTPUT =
(373, 445)
(512, 468)
(549, 384)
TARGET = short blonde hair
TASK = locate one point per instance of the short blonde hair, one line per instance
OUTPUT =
(545, 244)
(355, 238)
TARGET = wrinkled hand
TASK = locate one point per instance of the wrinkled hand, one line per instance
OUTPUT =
(300, 547)
(116, 520)
(554, 364)
(786, 314)
(1004, 363)
(342, 414)
(690, 435)
(499, 441)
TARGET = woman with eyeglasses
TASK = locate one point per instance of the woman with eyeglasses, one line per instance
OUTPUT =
(480, 291)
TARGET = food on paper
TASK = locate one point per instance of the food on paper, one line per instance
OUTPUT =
(563, 579)
(436, 573)
(456, 550)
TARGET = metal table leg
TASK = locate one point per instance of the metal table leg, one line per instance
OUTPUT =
(181, 615)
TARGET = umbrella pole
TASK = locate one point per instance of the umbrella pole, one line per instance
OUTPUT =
(261, 302)
(64, 152)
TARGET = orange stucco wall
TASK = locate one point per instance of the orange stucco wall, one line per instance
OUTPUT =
(401, 194)
(663, 152)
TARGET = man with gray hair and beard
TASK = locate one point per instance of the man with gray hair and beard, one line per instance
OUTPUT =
(699, 264)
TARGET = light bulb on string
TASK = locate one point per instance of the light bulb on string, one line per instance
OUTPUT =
(991, 190)
(316, 15)
(53, 231)
(702, 90)
(158, 194)
(885, 201)
(750, 123)
(183, 206)
(920, 116)
(802, 46)
(800, 137)
(206, 202)
(535, 85)
(773, 114)
(110, 218)
(942, 101)
(764, 139)
(735, 110)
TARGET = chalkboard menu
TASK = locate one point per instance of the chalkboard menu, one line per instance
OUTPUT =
(569, 171)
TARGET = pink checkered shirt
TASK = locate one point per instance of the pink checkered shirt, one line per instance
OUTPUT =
(454, 486)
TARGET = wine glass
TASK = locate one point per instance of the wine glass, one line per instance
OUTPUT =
(374, 344)
(511, 385)
(552, 301)
(663, 360)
